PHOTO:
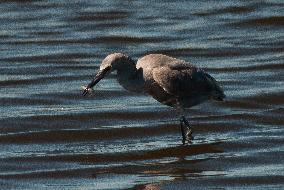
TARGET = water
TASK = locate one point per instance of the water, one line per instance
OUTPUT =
(54, 138)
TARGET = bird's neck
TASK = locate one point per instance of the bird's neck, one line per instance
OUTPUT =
(130, 78)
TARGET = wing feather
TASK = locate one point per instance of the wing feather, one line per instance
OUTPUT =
(183, 80)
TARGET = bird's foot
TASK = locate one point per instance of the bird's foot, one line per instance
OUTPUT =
(186, 131)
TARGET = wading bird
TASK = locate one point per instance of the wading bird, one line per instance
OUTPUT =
(170, 81)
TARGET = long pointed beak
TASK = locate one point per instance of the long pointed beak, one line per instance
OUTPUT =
(101, 74)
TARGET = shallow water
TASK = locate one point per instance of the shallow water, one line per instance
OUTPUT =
(54, 138)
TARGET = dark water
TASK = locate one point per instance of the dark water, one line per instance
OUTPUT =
(53, 138)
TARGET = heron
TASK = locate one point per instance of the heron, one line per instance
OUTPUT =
(171, 81)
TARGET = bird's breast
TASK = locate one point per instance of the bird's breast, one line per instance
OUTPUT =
(131, 81)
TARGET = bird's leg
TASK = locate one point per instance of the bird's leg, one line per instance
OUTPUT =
(182, 131)
(186, 130)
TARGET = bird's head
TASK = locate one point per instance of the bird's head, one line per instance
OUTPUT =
(111, 63)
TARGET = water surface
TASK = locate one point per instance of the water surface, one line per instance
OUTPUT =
(54, 138)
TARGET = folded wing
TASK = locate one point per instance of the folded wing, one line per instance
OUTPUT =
(185, 80)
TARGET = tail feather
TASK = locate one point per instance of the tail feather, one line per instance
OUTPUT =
(218, 95)
(217, 92)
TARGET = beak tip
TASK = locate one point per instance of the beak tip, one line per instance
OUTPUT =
(86, 91)
(98, 77)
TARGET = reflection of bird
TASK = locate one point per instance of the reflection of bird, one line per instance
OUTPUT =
(171, 81)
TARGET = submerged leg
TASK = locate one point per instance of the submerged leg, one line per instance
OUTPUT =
(186, 130)
(182, 131)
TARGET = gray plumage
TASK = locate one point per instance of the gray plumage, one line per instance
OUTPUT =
(171, 81)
